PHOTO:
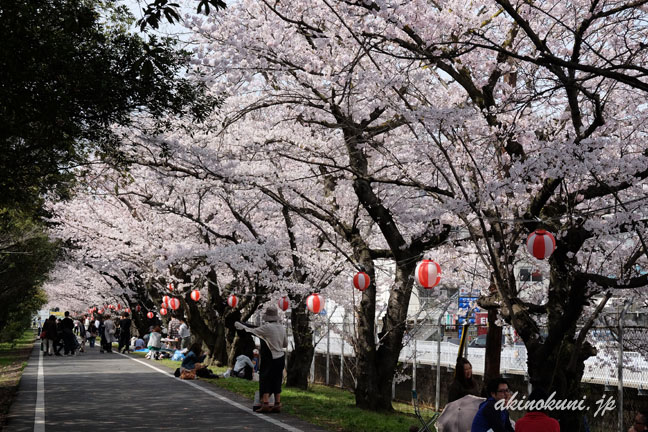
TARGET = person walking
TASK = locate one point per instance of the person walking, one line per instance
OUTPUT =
(109, 334)
(271, 375)
(124, 333)
(82, 333)
(49, 328)
(69, 339)
(92, 334)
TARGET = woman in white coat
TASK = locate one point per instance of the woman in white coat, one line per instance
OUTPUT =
(109, 333)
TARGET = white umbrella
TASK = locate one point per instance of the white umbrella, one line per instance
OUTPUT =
(458, 416)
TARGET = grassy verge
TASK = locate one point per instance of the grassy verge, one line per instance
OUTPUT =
(328, 407)
(13, 360)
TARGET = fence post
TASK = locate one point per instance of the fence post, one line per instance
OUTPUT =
(328, 345)
(414, 368)
(437, 399)
(344, 318)
(627, 304)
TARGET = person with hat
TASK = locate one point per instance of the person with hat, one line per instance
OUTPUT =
(271, 375)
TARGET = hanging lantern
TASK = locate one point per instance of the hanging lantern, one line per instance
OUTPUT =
(165, 301)
(174, 303)
(170, 286)
(111, 307)
(128, 311)
(195, 295)
(283, 303)
(428, 274)
(101, 311)
(138, 308)
(119, 307)
(361, 281)
(315, 303)
(163, 311)
(150, 315)
(232, 300)
(541, 244)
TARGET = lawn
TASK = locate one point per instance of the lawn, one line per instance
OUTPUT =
(13, 360)
(329, 407)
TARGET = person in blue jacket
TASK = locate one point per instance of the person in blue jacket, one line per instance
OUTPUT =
(193, 357)
(490, 418)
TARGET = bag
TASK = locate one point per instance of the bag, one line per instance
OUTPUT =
(178, 356)
(177, 373)
(188, 374)
(205, 373)
(42, 335)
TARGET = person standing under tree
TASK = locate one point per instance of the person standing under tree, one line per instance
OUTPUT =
(271, 375)
(184, 333)
(464, 383)
(109, 334)
(124, 333)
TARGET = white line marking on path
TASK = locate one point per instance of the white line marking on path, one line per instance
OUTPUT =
(39, 412)
(221, 397)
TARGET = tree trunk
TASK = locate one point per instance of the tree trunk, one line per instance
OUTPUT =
(299, 360)
(493, 349)
(376, 366)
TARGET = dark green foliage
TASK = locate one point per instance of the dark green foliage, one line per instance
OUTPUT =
(26, 256)
(70, 72)
(66, 78)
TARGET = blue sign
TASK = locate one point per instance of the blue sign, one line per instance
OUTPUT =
(464, 303)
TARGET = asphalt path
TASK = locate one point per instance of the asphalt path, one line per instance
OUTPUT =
(114, 392)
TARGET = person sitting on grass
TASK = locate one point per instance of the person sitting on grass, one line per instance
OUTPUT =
(192, 362)
(243, 367)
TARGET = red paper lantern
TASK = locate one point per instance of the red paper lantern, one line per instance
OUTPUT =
(150, 315)
(195, 295)
(174, 303)
(170, 286)
(541, 244)
(165, 301)
(428, 274)
(361, 281)
(163, 311)
(101, 311)
(315, 303)
(138, 308)
(128, 310)
(119, 307)
(111, 307)
(283, 303)
(232, 300)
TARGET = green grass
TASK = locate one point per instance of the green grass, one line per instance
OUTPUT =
(10, 351)
(328, 407)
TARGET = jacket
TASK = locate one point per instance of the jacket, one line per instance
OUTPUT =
(536, 421)
(488, 417)
(191, 359)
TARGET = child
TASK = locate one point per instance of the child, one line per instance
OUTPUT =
(154, 343)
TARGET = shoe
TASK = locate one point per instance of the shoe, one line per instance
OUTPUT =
(276, 408)
(266, 408)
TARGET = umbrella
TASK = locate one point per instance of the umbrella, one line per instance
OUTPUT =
(458, 416)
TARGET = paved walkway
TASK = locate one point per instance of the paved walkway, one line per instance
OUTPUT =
(115, 392)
